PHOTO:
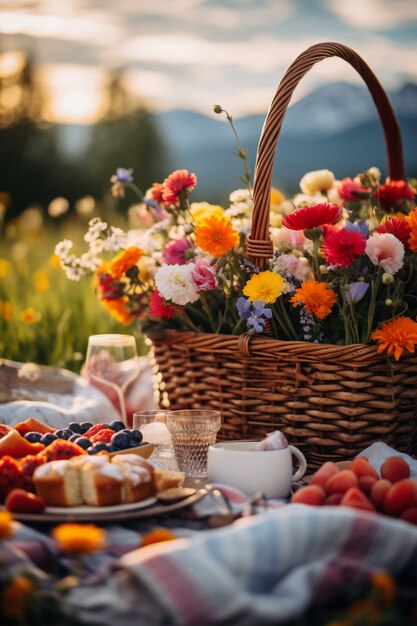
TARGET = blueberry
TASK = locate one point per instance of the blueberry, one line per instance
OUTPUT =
(117, 426)
(92, 450)
(74, 437)
(99, 446)
(136, 435)
(83, 442)
(33, 437)
(76, 427)
(121, 440)
(110, 447)
(85, 426)
(64, 433)
(48, 438)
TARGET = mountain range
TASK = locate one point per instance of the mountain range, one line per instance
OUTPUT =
(334, 127)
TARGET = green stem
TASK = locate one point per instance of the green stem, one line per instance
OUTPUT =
(187, 321)
(135, 189)
(241, 153)
(316, 262)
(371, 311)
(207, 310)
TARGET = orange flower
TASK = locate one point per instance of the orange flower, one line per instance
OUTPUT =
(15, 597)
(412, 222)
(316, 297)
(118, 309)
(30, 316)
(156, 536)
(216, 235)
(396, 336)
(385, 584)
(124, 261)
(6, 310)
(79, 538)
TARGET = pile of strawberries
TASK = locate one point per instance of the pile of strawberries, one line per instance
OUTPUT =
(393, 493)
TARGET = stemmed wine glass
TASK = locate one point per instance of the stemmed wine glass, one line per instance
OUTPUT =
(112, 363)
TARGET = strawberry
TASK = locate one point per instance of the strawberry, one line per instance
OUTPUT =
(61, 449)
(94, 430)
(104, 435)
(11, 475)
(355, 499)
(21, 501)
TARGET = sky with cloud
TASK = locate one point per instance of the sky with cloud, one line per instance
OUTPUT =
(194, 53)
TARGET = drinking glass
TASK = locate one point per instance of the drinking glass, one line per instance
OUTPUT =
(154, 429)
(112, 363)
(192, 432)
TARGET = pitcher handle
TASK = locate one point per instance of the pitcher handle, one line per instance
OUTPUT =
(303, 464)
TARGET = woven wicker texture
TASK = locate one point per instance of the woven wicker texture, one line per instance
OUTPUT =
(330, 401)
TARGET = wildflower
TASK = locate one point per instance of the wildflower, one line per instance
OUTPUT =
(298, 267)
(396, 336)
(118, 309)
(265, 286)
(276, 196)
(316, 297)
(355, 292)
(216, 236)
(385, 250)
(124, 261)
(156, 536)
(203, 275)
(412, 222)
(5, 268)
(175, 252)
(158, 308)
(176, 183)
(394, 193)
(175, 284)
(254, 313)
(360, 227)
(399, 228)
(387, 278)
(30, 316)
(352, 190)
(122, 175)
(6, 525)
(54, 260)
(317, 181)
(85, 205)
(58, 206)
(30, 371)
(308, 217)
(155, 192)
(343, 247)
(15, 597)
(202, 210)
(6, 311)
(41, 281)
(79, 538)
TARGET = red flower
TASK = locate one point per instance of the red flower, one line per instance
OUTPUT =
(157, 191)
(351, 190)
(393, 192)
(158, 307)
(399, 228)
(342, 247)
(107, 287)
(177, 182)
(312, 216)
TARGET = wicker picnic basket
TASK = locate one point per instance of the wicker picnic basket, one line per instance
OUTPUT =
(331, 401)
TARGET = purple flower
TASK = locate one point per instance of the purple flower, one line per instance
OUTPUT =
(356, 292)
(122, 175)
(204, 275)
(175, 252)
(254, 313)
(360, 227)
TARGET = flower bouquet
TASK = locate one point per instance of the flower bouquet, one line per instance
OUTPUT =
(293, 313)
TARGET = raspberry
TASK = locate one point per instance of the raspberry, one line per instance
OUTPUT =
(94, 430)
(312, 494)
(104, 435)
(395, 469)
(11, 475)
(341, 482)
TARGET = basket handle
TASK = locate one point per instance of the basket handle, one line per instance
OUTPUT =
(259, 248)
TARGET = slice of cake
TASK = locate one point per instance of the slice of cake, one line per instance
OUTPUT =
(57, 482)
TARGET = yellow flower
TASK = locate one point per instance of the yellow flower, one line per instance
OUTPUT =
(216, 235)
(79, 538)
(5, 268)
(316, 297)
(41, 280)
(156, 536)
(277, 197)
(412, 222)
(15, 597)
(124, 261)
(202, 210)
(265, 286)
(317, 181)
(396, 336)
(30, 316)
(385, 585)
(6, 525)
(54, 261)
(6, 311)
(118, 309)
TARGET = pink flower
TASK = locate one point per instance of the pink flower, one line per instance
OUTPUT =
(175, 252)
(351, 190)
(386, 250)
(204, 275)
(343, 246)
(175, 183)
(294, 238)
(159, 308)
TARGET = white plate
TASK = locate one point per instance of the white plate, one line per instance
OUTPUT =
(84, 509)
